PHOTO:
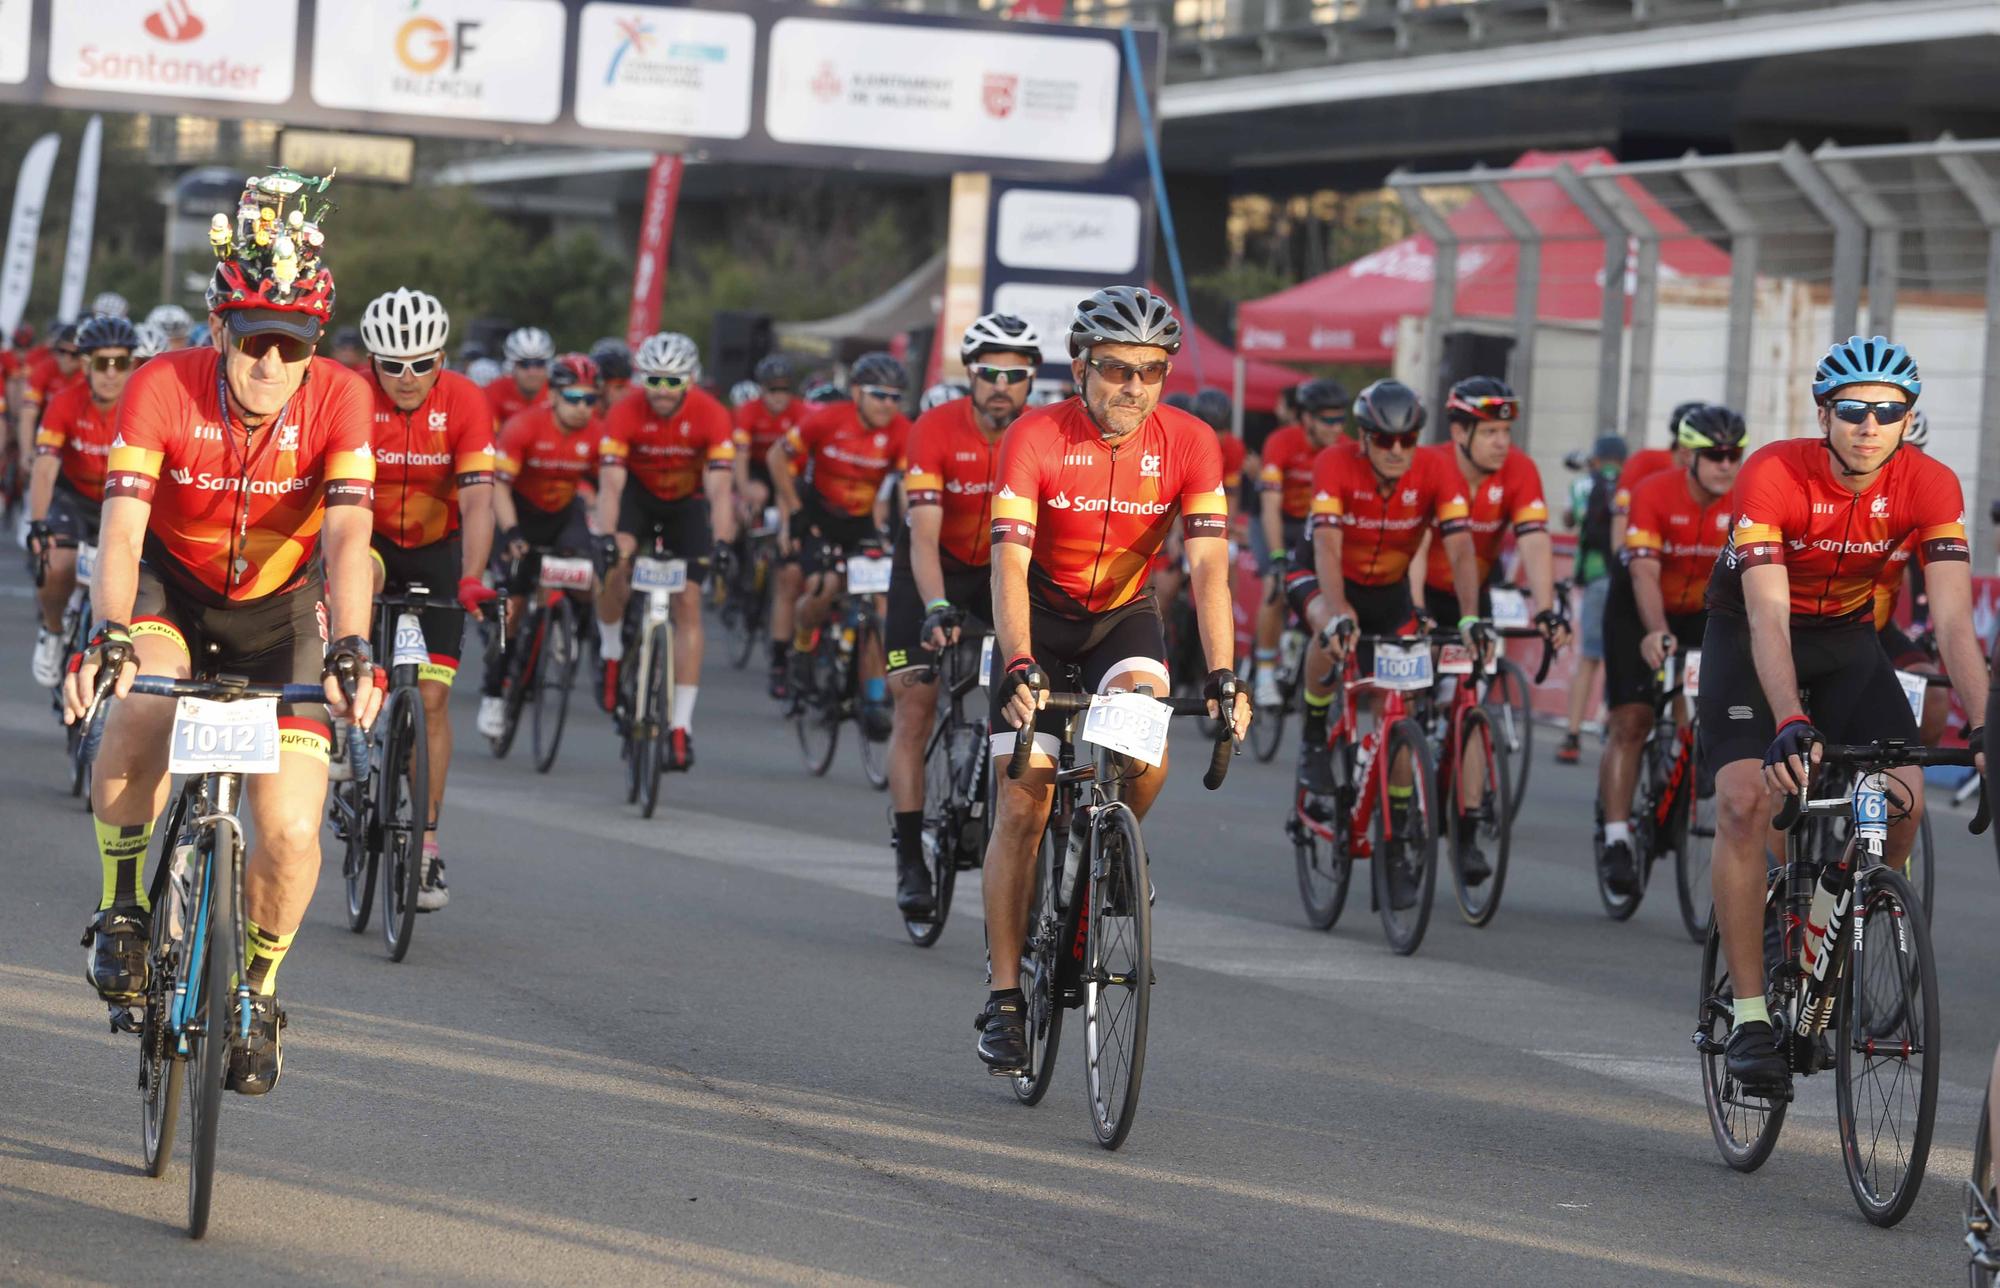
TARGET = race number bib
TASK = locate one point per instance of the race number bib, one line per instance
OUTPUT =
(567, 574)
(867, 575)
(1914, 687)
(1404, 667)
(670, 575)
(1131, 724)
(411, 650)
(225, 737)
(1510, 608)
(1454, 659)
(86, 563)
(1691, 674)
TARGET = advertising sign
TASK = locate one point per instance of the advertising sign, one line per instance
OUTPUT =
(679, 71)
(1068, 232)
(656, 236)
(488, 60)
(176, 48)
(929, 89)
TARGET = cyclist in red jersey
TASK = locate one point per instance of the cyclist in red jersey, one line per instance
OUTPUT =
(940, 581)
(1679, 521)
(1285, 490)
(1088, 491)
(760, 424)
(848, 449)
(1906, 653)
(666, 470)
(433, 442)
(1643, 464)
(1790, 605)
(66, 490)
(56, 369)
(528, 351)
(227, 469)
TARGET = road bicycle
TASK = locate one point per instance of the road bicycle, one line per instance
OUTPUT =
(646, 687)
(81, 738)
(851, 634)
(1267, 731)
(1673, 803)
(196, 1005)
(546, 649)
(958, 783)
(1851, 985)
(1090, 928)
(1508, 693)
(381, 811)
(743, 595)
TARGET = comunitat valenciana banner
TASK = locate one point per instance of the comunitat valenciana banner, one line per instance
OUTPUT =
(17, 270)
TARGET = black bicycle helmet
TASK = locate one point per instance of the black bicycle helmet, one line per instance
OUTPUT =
(879, 369)
(1678, 415)
(1213, 406)
(1710, 425)
(774, 370)
(1389, 407)
(1180, 402)
(1124, 315)
(1322, 395)
(1478, 398)
(614, 366)
(106, 332)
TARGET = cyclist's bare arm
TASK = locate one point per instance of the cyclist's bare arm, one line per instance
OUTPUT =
(504, 512)
(1646, 591)
(476, 508)
(610, 489)
(1420, 561)
(779, 461)
(1464, 563)
(121, 534)
(1326, 566)
(42, 485)
(1538, 557)
(926, 521)
(720, 486)
(1767, 602)
(350, 582)
(1272, 505)
(1010, 617)
(1949, 585)
(1215, 614)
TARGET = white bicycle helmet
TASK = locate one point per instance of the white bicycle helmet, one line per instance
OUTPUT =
(668, 353)
(939, 394)
(173, 321)
(482, 371)
(152, 340)
(1000, 333)
(404, 324)
(110, 304)
(744, 391)
(528, 344)
(1918, 432)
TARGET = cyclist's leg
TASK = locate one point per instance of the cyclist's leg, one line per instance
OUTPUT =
(1625, 692)
(689, 535)
(1302, 594)
(72, 520)
(910, 668)
(617, 584)
(1126, 649)
(129, 783)
(1589, 662)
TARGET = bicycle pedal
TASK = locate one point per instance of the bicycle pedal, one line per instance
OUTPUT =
(123, 1019)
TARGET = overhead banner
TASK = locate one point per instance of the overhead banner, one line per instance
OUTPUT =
(180, 49)
(488, 60)
(679, 71)
(656, 236)
(31, 191)
(82, 220)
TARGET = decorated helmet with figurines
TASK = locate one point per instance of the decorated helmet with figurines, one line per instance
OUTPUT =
(269, 257)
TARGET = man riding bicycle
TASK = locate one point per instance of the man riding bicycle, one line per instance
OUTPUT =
(228, 467)
(1678, 522)
(47, 375)
(1642, 465)
(66, 488)
(528, 351)
(666, 467)
(1285, 502)
(760, 424)
(433, 438)
(1088, 490)
(941, 576)
(1788, 607)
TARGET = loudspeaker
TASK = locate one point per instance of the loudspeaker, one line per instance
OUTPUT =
(737, 341)
(1467, 353)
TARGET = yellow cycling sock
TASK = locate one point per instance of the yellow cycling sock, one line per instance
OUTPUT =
(1399, 795)
(263, 952)
(122, 850)
(1319, 701)
(1752, 1010)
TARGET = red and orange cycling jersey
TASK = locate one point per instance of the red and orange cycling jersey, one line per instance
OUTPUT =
(1382, 524)
(1889, 583)
(758, 427)
(78, 432)
(423, 457)
(541, 462)
(1094, 516)
(507, 400)
(1684, 533)
(1288, 470)
(847, 461)
(46, 380)
(1233, 453)
(1642, 465)
(667, 457)
(1511, 496)
(950, 463)
(1792, 510)
(238, 518)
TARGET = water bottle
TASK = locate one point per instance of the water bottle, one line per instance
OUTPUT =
(180, 889)
(1075, 852)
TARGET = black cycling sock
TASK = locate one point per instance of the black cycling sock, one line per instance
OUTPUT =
(909, 836)
(1315, 726)
(778, 650)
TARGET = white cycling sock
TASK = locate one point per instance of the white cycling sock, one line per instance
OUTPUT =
(611, 641)
(683, 717)
(1616, 832)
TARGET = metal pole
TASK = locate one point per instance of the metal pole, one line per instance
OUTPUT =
(1745, 244)
(1984, 195)
(1611, 333)
(1645, 297)
(1238, 384)
(1444, 285)
(1885, 235)
(1527, 295)
(1849, 236)
(1135, 72)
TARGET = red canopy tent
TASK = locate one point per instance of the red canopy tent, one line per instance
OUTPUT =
(1351, 314)
(1262, 380)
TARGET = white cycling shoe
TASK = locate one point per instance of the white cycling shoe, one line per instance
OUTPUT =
(1264, 692)
(431, 894)
(492, 721)
(48, 659)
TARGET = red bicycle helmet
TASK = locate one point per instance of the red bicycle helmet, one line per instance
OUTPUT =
(570, 369)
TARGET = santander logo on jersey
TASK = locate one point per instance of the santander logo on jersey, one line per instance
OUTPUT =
(207, 482)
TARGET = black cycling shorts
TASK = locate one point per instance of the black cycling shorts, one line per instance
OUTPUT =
(682, 526)
(1627, 678)
(1904, 652)
(72, 516)
(1442, 605)
(279, 639)
(1108, 647)
(1852, 694)
(815, 527)
(968, 588)
(564, 531)
(436, 568)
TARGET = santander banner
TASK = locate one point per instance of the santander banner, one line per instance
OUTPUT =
(182, 48)
(656, 234)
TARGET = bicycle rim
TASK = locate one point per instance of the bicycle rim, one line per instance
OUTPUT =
(818, 718)
(555, 677)
(1039, 969)
(1118, 975)
(209, 1052)
(357, 862)
(1514, 717)
(1745, 1126)
(405, 809)
(874, 755)
(1406, 848)
(1887, 1074)
(940, 835)
(160, 1072)
(1694, 853)
(658, 705)
(1325, 868)
(1489, 833)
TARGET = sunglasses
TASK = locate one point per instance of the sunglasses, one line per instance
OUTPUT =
(69, 353)
(1005, 377)
(777, 389)
(105, 362)
(1118, 373)
(394, 367)
(1334, 417)
(883, 392)
(1856, 412)
(1721, 455)
(255, 347)
(668, 383)
(533, 364)
(1406, 442)
(579, 397)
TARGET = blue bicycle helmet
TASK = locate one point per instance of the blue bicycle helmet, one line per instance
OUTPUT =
(1877, 360)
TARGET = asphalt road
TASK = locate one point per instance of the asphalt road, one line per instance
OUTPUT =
(700, 1048)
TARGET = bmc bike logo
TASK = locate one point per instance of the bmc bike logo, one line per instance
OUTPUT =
(174, 22)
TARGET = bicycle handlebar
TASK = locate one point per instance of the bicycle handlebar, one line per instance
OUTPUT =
(1071, 703)
(1885, 755)
(225, 689)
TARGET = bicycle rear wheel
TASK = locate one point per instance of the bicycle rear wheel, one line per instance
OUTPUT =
(357, 860)
(1118, 974)
(521, 666)
(1406, 841)
(555, 676)
(1481, 828)
(1267, 731)
(1511, 699)
(402, 815)
(1040, 958)
(1745, 1126)
(818, 718)
(650, 737)
(1887, 1074)
(874, 754)
(209, 1036)
(1694, 851)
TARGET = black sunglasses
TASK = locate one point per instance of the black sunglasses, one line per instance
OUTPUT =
(1119, 373)
(393, 367)
(1406, 441)
(1856, 412)
(1332, 417)
(68, 353)
(106, 362)
(255, 347)
(533, 364)
(1005, 377)
(1721, 455)
(579, 397)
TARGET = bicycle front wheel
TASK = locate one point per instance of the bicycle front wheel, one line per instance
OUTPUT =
(1405, 835)
(1039, 969)
(209, 1035)
(818, 718)
(161, 1071)
(1118, 974)
(650, 734)
(521, 663)
(1694, 851)
(1511, 700)
(943, 810)
(357, 860)
(402, 817)
(1481, 808)
(555, 676)
(1887, 1064)
(1981, 1234)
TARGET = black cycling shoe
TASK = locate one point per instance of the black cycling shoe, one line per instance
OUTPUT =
(116, 967)
(1473, 868)
(1316, 768)
(778, 685)
(1621, 873)
(1003, 1034)
(254, 1065)
(1755, 1061)
(799, 675)
(914, 897)
(877, 721)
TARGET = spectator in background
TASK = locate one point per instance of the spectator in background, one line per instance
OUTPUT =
(349, 352)
(1591, 495)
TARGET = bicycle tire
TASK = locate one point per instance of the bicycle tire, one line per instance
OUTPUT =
(1516, 720)
(1417, 845)
(1886, 899)
(555, 667)
(1979, 1195)
(1267, 731)
(161, 1072)
(1694, 852)
(940, 834)
(817, 720)
(1492, 818)
(659, 703)
(1745, 1127)
(1922, 873)
(1040, 967)
(1325, 865)
(209, 1056)
(357, 864)
(874, 755)
(520, 675)
(1118, 954)
(404, 812)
